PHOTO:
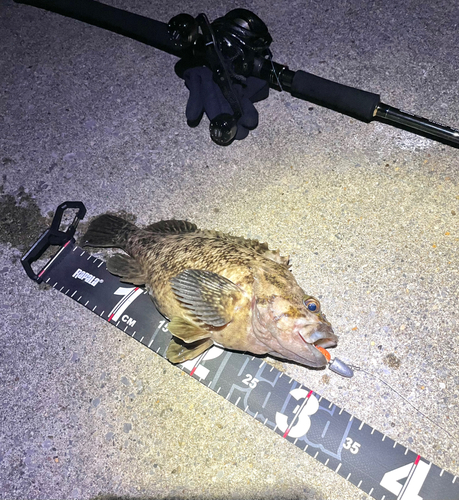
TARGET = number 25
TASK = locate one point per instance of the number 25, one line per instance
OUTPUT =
(251, 382)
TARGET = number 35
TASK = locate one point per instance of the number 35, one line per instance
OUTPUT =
(352, 446)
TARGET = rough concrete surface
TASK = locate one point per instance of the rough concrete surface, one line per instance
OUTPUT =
(368, 213)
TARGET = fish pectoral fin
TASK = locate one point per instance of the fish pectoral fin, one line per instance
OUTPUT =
(212, 298)
(178, 353)
(187, 331)
(127, 268)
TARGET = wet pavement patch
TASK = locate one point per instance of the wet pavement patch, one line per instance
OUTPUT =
(21, 222)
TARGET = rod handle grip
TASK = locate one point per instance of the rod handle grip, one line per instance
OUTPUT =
(347, 100)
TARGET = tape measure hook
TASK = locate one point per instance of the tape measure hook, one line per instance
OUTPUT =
(53, 236)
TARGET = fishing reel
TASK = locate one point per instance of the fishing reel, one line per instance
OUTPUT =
(234, 47)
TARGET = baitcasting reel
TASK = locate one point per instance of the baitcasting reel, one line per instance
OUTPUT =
(234, 47)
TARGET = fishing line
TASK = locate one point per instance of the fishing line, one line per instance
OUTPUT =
(358, 368)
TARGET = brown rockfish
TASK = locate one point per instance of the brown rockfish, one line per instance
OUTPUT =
(217, 289)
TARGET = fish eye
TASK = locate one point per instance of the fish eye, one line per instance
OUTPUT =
(312, 304)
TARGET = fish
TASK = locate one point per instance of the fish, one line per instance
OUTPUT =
(216, 289)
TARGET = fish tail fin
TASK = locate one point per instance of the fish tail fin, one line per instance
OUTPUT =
(108, 231)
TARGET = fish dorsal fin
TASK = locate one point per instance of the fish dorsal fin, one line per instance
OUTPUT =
(277, 257)
(186, 330)
(209, 296)
(127, 268)
(172, 227)
(261, 248)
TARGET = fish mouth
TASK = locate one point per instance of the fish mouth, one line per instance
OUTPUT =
(322, 337)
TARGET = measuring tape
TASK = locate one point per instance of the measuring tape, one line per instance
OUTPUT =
(365, 457)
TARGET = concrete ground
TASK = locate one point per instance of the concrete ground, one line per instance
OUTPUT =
(369, 214)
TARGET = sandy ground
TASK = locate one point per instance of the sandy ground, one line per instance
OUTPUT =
(369, 214)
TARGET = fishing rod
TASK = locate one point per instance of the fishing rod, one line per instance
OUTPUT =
(227, 66)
